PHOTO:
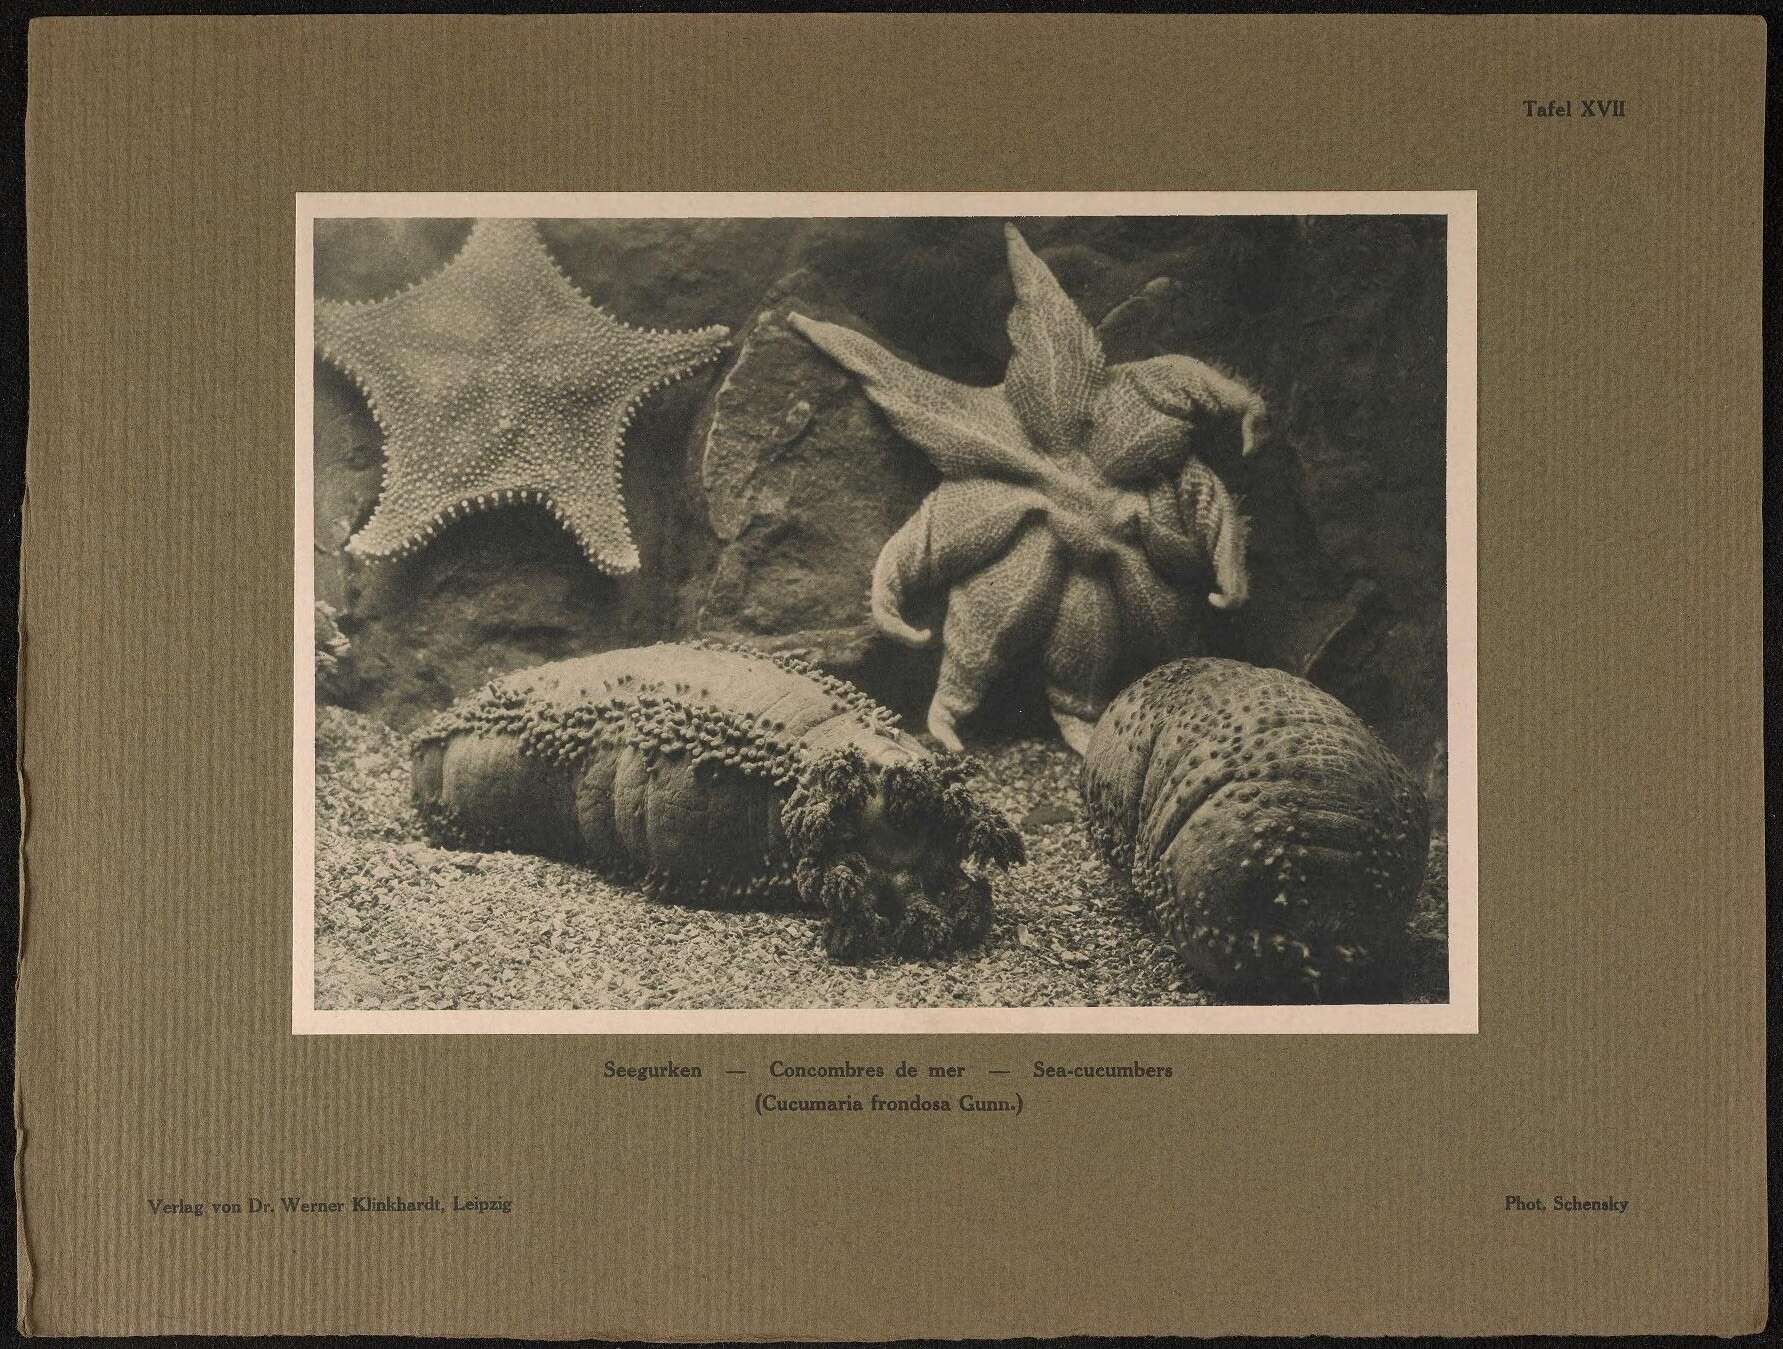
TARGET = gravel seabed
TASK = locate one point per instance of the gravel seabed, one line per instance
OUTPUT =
(401, 924)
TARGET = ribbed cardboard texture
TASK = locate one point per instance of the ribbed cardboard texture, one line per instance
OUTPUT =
(1273, 1184)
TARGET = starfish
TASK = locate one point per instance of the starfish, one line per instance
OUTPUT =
(1071, 520)
(496, 380)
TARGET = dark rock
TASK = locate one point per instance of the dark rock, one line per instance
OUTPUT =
(673, 273)
(368, 259)
(803, 482)
(1436, 781)
(349, 469)
(1429, 974)
(334, 673)
(1340, 321)
(761, 492)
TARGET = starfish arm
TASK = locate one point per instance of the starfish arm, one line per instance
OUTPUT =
(407, 341)
(665, 355)
(1159, 620)
(590, 503)
(960, 528)
(1203, 385)
(395, 370)
(1213, 517)
(1007, 607)
(958, 691)
(1056, 367)
(1172, 547)
(963, 429)
(338, 325)
(1082, 646)
(1228, 563)
(573, 338)
(1215, 389)
(1134, 435)
(496, 380)
(901, 572)
(403, 519)
(973, 523)
(1185, 384)
(379, 537)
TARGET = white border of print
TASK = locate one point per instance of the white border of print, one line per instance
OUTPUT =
(1458, 1016)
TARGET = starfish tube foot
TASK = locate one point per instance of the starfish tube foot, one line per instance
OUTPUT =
(958, 692)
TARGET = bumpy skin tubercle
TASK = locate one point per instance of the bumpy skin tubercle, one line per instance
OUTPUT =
(722, 776)
(1279, 844)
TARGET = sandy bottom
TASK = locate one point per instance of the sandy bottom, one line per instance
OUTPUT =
(403, 924)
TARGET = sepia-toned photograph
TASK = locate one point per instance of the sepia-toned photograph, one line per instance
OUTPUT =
(654, 707)
(1011, 619)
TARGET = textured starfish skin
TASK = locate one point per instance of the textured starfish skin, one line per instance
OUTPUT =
(1072, 520)
(496, 380)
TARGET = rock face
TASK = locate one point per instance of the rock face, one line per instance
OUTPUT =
(803, 482)
(760, 490)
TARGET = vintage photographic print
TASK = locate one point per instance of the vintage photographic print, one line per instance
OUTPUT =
(942, 612)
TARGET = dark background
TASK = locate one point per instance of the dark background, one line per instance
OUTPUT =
(761, 489)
